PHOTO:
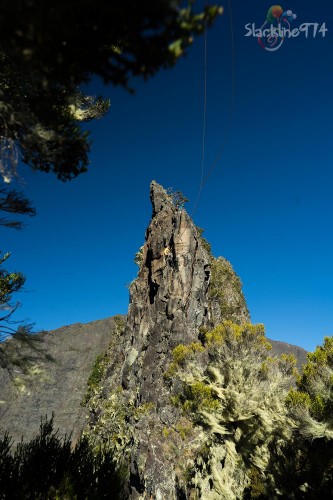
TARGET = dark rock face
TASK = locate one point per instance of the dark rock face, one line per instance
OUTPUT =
(168, 299)
(168, 305)
(56, 381)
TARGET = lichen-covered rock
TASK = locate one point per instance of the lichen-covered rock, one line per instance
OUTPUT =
(226, 299)
(169, 303)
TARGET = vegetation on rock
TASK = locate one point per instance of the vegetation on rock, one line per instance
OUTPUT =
(235, 393)
(208, 418)
(225, 292)
(315, 386)
(102, 361)
(177, 198)
(260, 435)
(240, 431)
(112, 413)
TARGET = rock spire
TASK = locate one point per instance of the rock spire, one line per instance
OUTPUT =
(169, 302)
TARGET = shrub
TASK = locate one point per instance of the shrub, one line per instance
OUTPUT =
(225, 289)
(222, 388)
(48, 468)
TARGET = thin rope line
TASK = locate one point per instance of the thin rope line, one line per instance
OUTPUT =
(231, 110)
(204, 110)
(204, 119)
(230, 114)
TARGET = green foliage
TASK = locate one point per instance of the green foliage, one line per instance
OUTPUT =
(180, 355)
(99, 367)
(42, 68)
(97, 371)
(13, 202)
(177, 198)
(112, 415)
(95, 376)
(256, 487)
(141, 410)
(182, 352)
(138, 258)
(308, 456)
(239, 433)
(117, 414)
(317, 382)
(166, 432)
(185, 429)
(220, 387)
(9, 283)
(120, 323)
(297, 398)
(288, 364)
(48, 467)
(226, 290)
(197, 397)
(246, 337)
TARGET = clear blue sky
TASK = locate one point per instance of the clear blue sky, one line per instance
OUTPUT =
(267, 205)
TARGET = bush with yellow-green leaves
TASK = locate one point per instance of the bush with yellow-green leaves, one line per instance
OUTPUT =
(311, 406)
(312, 402)
(265, 431)
(225, 291)
(236, 393)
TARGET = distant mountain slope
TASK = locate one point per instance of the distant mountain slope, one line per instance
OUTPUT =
(279, 348)
(53, 386)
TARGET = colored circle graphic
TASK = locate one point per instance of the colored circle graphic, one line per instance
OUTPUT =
(274, 14)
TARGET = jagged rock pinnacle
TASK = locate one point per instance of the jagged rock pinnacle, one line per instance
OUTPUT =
(168, 300)
(159, 198)
(168, 304)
